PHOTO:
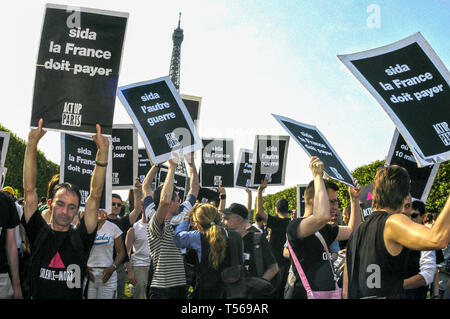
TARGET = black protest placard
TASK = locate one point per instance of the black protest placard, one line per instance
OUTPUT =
(242, 176)
(301, 199)
(125, 156)
(4, 142)
(78, 69)
(314, 143)
(161, 118)
(421, 177)
(217, 166)
(77, 166)
(144, 164)
(365, 201)
(179, 182)
(193, 104)
(411, 83)
(269, 159)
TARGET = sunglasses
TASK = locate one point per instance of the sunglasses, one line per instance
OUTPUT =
(117, 204)
(414, 215)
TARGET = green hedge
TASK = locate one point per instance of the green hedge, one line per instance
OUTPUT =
(14, 164)
(365, 175)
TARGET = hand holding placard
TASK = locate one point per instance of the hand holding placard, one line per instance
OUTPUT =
(263, 185)
(316, 166)
(355, 192)
(190, 158)
(174, 160)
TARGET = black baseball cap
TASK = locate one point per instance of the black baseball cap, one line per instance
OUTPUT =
(283, 206)
(237, 209)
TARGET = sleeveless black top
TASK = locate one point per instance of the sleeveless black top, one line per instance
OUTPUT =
(372, 271)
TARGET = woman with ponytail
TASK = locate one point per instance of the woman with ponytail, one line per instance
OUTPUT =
(210, 240)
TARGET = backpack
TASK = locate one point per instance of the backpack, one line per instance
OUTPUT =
(234, 277)
(259, 287)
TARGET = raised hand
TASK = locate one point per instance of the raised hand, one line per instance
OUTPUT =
(101, 141)
(190, 158)
(36, 134)
(316, 166)
(355, 191)
(220, 189)
(137, 184)
(263, 185)
(174, 160)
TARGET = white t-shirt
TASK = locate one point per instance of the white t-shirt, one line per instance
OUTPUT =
(102, 251)
(141, 248)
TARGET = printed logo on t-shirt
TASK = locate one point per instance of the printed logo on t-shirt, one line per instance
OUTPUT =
(56, 262)
(57, 271)
(102, 239)
(71, 275)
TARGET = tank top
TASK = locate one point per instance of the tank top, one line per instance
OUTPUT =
(372, 271)
(141, 249)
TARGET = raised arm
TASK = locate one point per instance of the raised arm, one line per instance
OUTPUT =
(194, 183)
(249, 201)
(321, 206)
(223, 196)
(355, 213)
(166, 193)
(148, 180)
(137, 196)
(30, 171)
(259, 202)
(400, 231)
(97, 181)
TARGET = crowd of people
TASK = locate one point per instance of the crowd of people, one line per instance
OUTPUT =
(167, 248)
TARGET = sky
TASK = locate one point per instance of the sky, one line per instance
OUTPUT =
(246, 60)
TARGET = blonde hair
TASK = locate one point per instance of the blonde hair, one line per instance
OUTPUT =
(208, 217)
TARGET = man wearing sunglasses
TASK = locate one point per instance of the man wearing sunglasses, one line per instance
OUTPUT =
(124, 223)
(420, 265)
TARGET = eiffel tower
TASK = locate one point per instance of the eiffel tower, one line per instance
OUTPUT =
(174, 73)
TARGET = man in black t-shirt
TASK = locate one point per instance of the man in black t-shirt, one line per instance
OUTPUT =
(59, 252)
(321, 205)
(9, 259)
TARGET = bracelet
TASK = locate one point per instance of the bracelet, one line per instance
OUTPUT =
(101, 164)
(114, 265)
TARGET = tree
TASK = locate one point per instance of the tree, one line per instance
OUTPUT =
(14, 164)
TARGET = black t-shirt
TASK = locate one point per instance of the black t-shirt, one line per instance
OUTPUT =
(278, 237)
(313, 258)
(249, 253)
(123, 224)
(59, 270)
(8, 219)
